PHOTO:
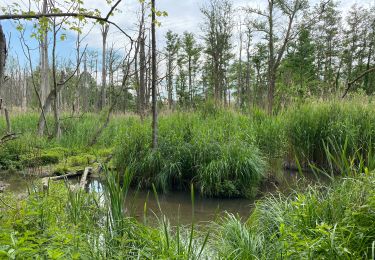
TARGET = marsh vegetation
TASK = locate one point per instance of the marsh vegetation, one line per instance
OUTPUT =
(249, 134)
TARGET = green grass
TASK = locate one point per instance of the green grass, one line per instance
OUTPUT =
(312, 126)
(73, 149)
(216, 153)
(224, 153)
(70, 224)
(333, 221)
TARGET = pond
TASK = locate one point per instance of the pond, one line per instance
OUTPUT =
(177, 206)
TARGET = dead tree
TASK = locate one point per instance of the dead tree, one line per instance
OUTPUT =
(3, 56)
(104, 29)
(154, 78)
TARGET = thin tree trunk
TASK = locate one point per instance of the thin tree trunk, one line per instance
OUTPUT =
(105, 30)
(248, 87)
(3, 56)
(76, 103)
(271, 61)
(142, 75)
(56, 111)
(240, 88)
(86, 86)
(24, 92)
(44, 62)
(154, 80)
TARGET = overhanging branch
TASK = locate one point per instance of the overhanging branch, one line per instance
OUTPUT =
(350, 84)
(76, 15)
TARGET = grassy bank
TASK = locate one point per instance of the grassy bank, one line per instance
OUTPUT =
(332, 221)
(223, 152)
(218, 153)
(70, 151)
(63, 223)
(335, 221)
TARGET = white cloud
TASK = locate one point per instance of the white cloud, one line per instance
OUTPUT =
(183, 15)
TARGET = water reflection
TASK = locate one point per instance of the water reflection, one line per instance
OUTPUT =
(177, 206)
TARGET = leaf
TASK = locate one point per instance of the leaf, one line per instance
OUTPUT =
(63, 37)
(20, 27)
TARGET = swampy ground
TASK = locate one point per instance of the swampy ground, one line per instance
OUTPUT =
(215, 188)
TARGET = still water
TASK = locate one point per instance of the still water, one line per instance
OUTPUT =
(176, 206)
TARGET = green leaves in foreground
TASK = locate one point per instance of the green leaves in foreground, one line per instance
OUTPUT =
(336, 222)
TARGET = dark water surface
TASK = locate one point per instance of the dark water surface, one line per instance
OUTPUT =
(177, 206)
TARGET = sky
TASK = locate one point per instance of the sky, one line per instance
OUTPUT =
(183, 15)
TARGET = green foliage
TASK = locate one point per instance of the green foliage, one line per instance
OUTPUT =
(65, 223)
(217, 153)
(318, 223)
(270, 134)
(310, 127)
(31, 150)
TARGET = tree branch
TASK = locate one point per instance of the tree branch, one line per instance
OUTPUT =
(112, 9)
(355, 80)
(76, 15)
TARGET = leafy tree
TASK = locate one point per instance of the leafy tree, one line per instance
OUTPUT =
(218, 27)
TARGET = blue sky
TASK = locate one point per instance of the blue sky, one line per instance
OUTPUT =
(183, 15)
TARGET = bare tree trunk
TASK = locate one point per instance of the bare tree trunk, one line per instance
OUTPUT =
(86, 86)
(3, 56)
(56, 111)
(271, 60)
(76, 103)
(142, 76)
(190, 71)
(248, 86)
(105, 29)
(44, 86)
(240, 88)
(369, 57)
(154, 79)
(24, 92)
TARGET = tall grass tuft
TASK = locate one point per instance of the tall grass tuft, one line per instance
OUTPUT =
(310, 127)
(332, 221)
(217, 153)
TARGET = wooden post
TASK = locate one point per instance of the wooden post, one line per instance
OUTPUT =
(7, 119)
(45, 183)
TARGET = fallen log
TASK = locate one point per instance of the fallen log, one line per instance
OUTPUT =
(45, 183)
(68, 175)
(83, 182)
(8, 137)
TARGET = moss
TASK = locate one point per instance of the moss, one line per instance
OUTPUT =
(104, 153)
(83, 159)
(41, 160)
(61, 170)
